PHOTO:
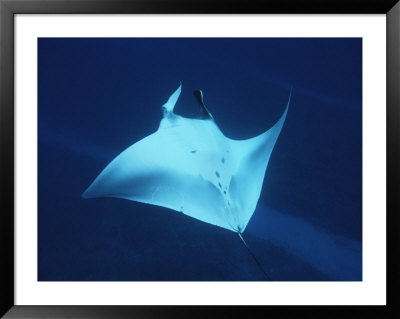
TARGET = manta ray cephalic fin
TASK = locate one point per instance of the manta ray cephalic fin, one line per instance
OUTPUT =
(168, 107)
(203, 112)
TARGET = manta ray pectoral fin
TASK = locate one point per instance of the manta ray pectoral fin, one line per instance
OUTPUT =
(203, 114)
(254, 155)
(168, 107)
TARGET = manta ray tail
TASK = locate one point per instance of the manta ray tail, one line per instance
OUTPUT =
(254, 256)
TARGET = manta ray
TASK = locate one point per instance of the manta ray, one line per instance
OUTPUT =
(190, 166)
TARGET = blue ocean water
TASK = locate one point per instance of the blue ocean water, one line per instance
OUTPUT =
(99, 96)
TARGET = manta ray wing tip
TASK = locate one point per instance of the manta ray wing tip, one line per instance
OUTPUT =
(88, 193)
(290, 95)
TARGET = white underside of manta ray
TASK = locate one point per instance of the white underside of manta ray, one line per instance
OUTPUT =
(189, 166)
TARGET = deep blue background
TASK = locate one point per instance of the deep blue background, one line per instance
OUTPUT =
(99, 96)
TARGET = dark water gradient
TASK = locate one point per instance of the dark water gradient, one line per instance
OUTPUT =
(99, 96)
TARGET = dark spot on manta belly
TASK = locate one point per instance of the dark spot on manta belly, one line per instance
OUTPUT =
(220, 186)
(194, 151)
(223, 160)
(216, 173)
(225, 192)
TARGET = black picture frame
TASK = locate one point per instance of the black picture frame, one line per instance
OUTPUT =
(8, 9)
